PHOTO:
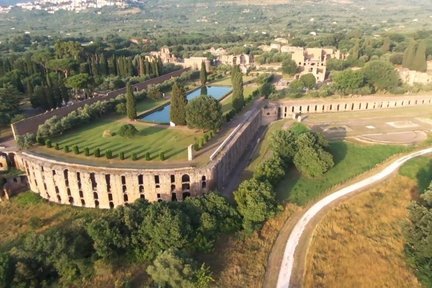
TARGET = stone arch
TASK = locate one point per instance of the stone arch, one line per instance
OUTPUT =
(204, 181)
(185, 183)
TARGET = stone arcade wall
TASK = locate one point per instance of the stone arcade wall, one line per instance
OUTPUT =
(100, 187)
(288, 108)
(103, 187)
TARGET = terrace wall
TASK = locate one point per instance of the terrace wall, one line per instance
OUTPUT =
(31, 124)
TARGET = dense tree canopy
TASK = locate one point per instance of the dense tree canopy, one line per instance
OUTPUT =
(130, 102)
(381, 75)
(204, 112)
(237, 84)
(178, 105)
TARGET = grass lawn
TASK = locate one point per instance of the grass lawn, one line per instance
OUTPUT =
(351, 160)
(419, 169)
(153, 139)
(172, 142)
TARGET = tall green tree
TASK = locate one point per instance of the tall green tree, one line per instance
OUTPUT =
(419, 62)
(409, 55)
(381, 74)
(256, 202)
(204, 112)
(203, 74)
(178, 105)
(130, 102)
(237, 84)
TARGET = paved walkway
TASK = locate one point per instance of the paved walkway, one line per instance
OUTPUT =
(287, 266)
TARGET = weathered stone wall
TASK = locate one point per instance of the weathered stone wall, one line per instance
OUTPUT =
(100, 187)
(31, 124)
(288, 108)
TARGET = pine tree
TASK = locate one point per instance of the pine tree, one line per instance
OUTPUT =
(130, 102)
(419, 62)
(386, 45)
(237, 83)
(178, 105)
(203, 74)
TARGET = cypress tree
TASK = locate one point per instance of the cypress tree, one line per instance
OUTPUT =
(203, 74)
(409, 54)
(130, 102)
(237, 83)
(141, 67)
(178, 105)
(386, 45)
(419, 62)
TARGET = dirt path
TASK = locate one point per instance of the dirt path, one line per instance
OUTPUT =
(299, 230)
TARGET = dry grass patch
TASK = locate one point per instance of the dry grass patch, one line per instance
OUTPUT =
(241, 262)
(360, 242)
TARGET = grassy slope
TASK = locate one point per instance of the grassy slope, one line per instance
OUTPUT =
(360, 243)
(351, 160)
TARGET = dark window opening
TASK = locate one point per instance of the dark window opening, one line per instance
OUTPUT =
(157, 180)
(111, 205)
(93, 180)
(57, 190)
(125, 198)
(71, 201)
(204, 185)
(81, 194)
(110, 198)
(173, 197)
(97, 204)
(142, 196)
(172, 178)
(83, 202)
(95, 195)
(186, 187)
(185, 195)
(185, 178)
(172, 188)
(140, 180)
(68, 191)
(108, 182)
(123, 180)
(141, 189)
(58, 198)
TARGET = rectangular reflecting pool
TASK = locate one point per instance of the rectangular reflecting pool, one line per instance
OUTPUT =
(162, 116)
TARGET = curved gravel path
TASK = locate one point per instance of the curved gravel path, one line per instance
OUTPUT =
(293, 240)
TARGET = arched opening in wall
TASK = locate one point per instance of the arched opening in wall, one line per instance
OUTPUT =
(141, 189)
(186, 194)
(53, 172)
(292, 109)
(346, 105)
(108, 182)
(174, 196)
(83, 202)
(185, 183)
(123, 180)
(110, 198)
(331, 107)
(173, 187)
(142, 196)
(93, 181)
(307, 109)
(111, 205)
(409, 102)
(71, 201)
(81, 194)
(68, 192)
(157, 181)
(140, 180)
(204, 181)
(125, 198)
(124, 188)
(95, 195)
(300, 108)
(97, 204)
(352, 106)
(360, 106)
(337, 107)
(56, 188)
(158, 197)
(316, 108)
(322, 109)
(423, 101)
(58, 198)
(66, 177)
(367, 105)
(78, 179)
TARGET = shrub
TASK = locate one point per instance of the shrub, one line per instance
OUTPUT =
(57, 146)
(128, 131)
(97, 153)
(48, 143)
(162, 156)
(134, 156)
(76, 150)
(147, 156)
(107, 133)
(87, 151)
(211, 134)
(35, 222)
(66, 149)
(122, 156)
(201, 143)
(196, 146)
(108, 154)
(206, 138)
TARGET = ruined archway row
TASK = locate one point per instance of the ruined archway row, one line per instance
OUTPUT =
(287, 109)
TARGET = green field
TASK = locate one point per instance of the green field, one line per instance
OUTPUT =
(419, 169)
(154, 139)
(351, 160)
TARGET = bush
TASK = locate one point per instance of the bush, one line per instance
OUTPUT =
(86, 151)
(162, 156)
(147, 156)
(134, 156)
(206, 138)
(97, 153)
(66, 149)
(128, 131)
(107, 133)
(108, 154)
(35, 222)
(122, 156)
(76, 150)
(201, 143)
(57, 146)
(48, 143)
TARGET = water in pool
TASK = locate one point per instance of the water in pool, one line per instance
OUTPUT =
(162, 116)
